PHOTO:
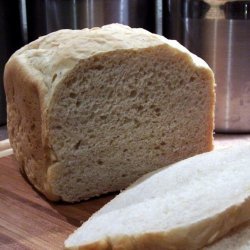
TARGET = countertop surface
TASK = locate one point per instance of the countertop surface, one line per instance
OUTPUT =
(29, 221)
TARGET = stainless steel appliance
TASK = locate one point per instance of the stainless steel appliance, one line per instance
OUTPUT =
(219, 32)
(45, 16)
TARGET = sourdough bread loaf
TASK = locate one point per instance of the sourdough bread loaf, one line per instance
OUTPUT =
(90, 111)
(185, 206)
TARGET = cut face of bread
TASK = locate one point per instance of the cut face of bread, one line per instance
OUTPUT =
(90, 111)
(188, 205)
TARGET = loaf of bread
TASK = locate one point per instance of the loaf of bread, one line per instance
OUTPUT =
(186, 206)
(90, 111)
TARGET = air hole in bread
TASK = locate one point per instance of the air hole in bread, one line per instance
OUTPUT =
(110, 94)
(98, 67)
(140, 108)
(77, 145)
(100, 162)
(78, 103)
(192, 79)
(32, 127)
(57, 127)
(103, 117)
(137, 123)
(78, 180)
(54, 77)
(133, 93)
(72, 95)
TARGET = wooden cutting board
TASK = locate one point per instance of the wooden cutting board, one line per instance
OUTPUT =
(29, 221)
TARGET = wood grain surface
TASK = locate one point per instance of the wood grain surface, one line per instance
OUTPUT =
(29, 221)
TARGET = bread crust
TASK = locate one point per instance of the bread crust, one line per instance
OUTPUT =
(26, 108)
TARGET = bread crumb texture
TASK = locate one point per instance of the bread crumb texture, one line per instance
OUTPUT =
(90, 111)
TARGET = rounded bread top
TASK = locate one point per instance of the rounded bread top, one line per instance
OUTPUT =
(58, 52)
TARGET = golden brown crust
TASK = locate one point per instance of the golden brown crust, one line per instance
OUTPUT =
(26, 108)
(209, 75)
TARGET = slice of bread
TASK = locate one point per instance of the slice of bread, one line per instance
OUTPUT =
(188, 205)
(90, 111)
